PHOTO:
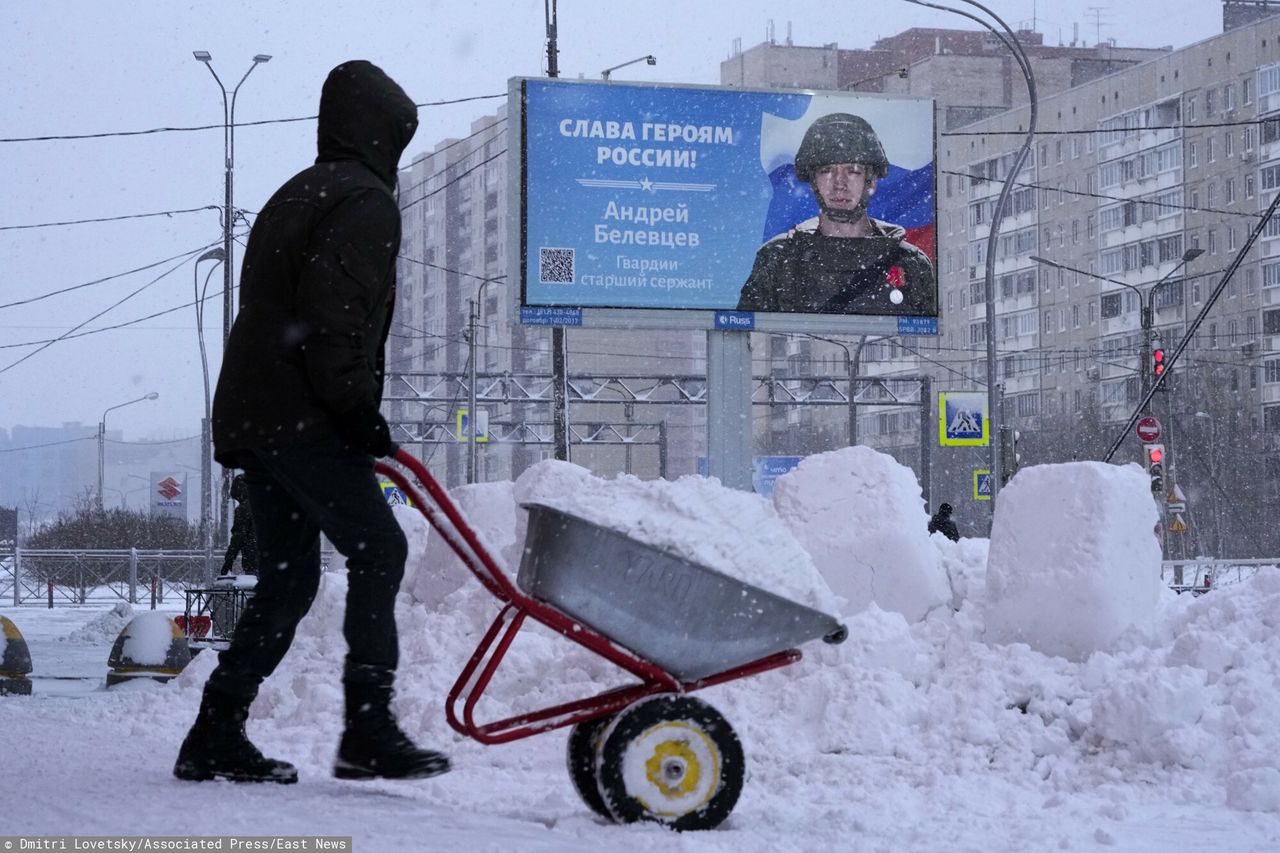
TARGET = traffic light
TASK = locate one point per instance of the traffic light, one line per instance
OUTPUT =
(1153, 458)
(1157, 359)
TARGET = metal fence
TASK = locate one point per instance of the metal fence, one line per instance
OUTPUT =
(1201, 574)
(132, 575)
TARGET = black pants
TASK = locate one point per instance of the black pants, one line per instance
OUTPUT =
(295, 493)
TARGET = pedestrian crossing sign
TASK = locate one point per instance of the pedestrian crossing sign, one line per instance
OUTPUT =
(393, 495)
(981, 485)
(962, 419)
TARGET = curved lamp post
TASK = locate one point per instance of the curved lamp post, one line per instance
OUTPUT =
(102, 437)
(648, 59)
(1146, 304)
(206, 439)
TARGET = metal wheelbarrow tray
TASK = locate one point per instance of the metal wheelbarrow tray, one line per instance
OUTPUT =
(642, 751)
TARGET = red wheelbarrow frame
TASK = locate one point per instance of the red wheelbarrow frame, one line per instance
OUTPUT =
(443, 515)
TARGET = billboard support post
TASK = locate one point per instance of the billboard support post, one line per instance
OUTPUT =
(729, 425)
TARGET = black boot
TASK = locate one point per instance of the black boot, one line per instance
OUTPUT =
(374, 747)
(217, 747)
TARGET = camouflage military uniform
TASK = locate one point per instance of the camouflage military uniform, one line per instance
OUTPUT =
(804, 271)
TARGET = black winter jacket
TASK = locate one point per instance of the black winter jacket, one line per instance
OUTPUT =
(318, 282)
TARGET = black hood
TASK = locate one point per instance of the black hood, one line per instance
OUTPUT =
(365, 116)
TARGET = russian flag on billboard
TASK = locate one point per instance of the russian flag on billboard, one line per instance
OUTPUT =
(903, 197)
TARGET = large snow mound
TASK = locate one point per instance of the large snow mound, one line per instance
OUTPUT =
(1073, 561)
(860, 515)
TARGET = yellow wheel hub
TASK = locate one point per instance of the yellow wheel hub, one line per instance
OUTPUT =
(673, 768)
(681, 769)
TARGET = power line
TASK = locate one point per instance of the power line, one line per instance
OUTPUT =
(78, 326)
(109, 218)
(107, 278)
(456, 178)
(108, 134)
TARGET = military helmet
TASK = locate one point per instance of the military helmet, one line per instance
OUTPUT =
(840, 138)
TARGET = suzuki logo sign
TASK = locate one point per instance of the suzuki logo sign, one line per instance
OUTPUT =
(169, 488)
(169, 494)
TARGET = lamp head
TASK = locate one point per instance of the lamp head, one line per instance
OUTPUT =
(651, 59)
(1191, 254)
(262, 57)
(215, 254)
(202, 55)
(152, 396)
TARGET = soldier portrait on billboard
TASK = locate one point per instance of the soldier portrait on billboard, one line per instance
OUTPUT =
(841, 261)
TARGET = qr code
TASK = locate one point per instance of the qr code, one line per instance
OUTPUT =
(555, 266)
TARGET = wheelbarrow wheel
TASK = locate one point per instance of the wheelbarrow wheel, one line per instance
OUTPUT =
(672, 759)
(583, 749)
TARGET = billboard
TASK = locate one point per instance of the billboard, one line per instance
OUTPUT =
(690, 207)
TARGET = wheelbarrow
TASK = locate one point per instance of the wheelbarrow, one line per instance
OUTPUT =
(641, 751)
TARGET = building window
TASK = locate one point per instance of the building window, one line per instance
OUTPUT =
(1271, 322)
(1193, 154)
(1208, 149)
(1229, 191)
(1228, 144)
(1246, 90)
(1271, 371)
(1271, 419)
(1110, 305)
(1212, 239)
(1248, 186)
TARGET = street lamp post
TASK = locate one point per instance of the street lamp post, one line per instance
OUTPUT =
(1146, 302)
(852, 360)
(648, 59)
(206, 435)
(472, 420)
(102, 438)
(228, 215)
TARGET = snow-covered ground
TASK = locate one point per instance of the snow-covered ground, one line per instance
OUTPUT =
(1096, 710)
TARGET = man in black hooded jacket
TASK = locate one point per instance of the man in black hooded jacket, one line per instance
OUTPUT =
(297, 408)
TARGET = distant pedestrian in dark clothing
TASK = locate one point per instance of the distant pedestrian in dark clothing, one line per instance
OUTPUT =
(244, 541)
(942, 523)
(297, 408)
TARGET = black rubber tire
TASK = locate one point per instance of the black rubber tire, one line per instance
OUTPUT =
(582, 751)
(683, 758)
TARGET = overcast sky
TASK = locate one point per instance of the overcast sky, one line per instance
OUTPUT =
(75, 67)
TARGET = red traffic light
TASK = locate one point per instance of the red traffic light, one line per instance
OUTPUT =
(1155, 455)
(1157, 361)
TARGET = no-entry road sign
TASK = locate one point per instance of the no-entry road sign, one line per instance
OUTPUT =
(1148, 429)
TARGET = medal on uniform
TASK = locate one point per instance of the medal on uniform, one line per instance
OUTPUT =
(894, 278)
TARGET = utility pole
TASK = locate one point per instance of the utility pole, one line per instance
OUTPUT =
(228, 225)
(559, 340)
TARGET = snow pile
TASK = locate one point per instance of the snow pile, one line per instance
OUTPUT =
(1073, 562)
(909, 732)
(733, 532)
(147, 639)
(498, 522)
(106, 626)
(860, 515)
